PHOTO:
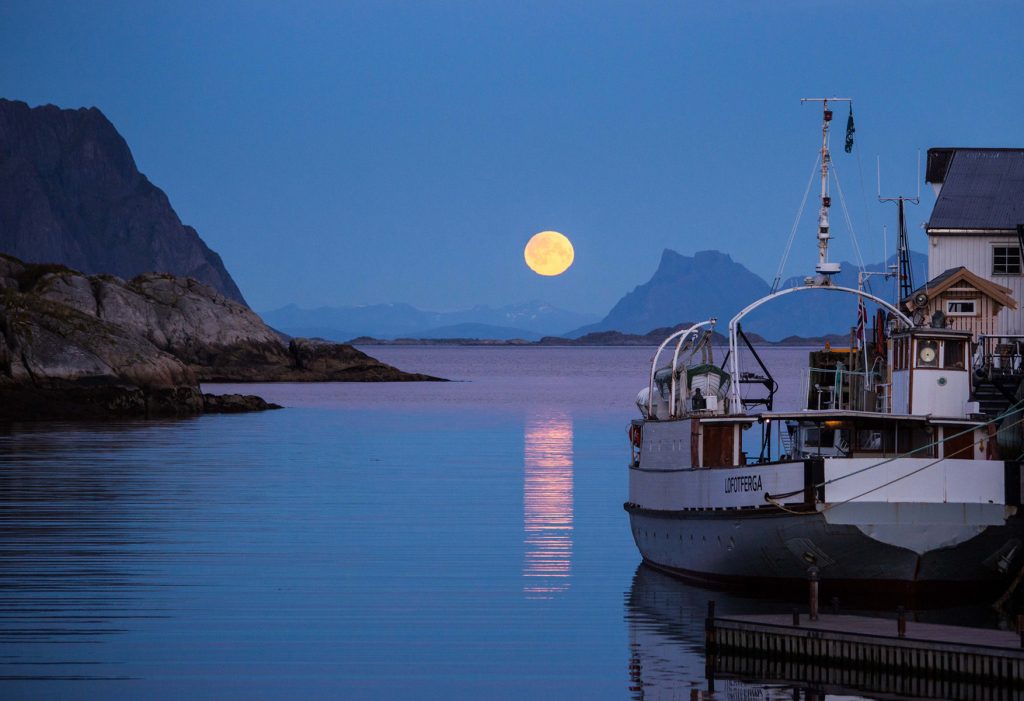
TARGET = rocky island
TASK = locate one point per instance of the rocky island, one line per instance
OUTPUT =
(75, 345)
(117, 340)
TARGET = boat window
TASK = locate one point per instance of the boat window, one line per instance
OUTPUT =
(953, 355)
(869, 439)
(901, 349)
(819, 438)
(927, 354)
(914, 438)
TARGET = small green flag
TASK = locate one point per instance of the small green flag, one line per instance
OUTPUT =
(849, 130)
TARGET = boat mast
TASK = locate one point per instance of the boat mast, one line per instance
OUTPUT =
(906, 275)
(824, 269)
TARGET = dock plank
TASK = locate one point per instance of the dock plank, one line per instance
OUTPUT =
(860, 642)
(886, 628)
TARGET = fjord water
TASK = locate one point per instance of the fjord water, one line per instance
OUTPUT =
(399, 540)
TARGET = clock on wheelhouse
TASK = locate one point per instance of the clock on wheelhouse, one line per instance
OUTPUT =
(927, 354)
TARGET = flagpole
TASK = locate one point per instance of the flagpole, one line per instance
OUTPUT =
(862, 323)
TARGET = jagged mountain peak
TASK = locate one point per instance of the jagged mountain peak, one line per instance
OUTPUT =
(70, 193)
(711, 284)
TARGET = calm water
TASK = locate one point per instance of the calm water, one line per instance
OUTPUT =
(424, 540)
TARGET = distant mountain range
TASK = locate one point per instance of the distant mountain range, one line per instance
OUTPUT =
(683, 288)
(70, 193)
(711, 283)
(528, 321)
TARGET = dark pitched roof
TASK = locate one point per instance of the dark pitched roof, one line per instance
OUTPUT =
(982, 188)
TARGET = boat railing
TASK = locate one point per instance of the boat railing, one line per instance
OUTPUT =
(838, 388)
(999, 355)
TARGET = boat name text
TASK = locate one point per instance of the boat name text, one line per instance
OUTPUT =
(746, 483)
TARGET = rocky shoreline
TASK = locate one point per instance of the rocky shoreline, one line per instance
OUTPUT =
(95, 346)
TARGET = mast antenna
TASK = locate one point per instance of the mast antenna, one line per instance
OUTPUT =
(824, 269)
(906, 273)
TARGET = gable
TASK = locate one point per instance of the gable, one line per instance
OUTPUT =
(958, 281)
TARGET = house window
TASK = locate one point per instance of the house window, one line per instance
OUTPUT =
(961, 307)
(1006, 260)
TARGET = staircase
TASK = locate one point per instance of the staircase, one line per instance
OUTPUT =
(786, 440)
(996, 394)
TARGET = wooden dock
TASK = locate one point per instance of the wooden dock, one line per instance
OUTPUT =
(860, 642)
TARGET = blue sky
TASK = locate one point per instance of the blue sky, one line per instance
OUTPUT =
(348, 153)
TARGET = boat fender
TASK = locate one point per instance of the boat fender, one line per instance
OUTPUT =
(634, 435)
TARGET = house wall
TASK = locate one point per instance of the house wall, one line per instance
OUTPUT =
(974, 252)
(983, 322)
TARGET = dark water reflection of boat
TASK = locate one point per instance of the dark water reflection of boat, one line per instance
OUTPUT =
(665, 618)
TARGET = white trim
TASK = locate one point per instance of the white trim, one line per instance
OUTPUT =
(974, 232)
(974, 307)
(1020, 260)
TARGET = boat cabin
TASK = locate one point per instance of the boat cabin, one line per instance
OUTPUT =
(930, 372)
(867, 435)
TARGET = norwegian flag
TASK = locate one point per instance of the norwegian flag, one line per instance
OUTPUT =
(862, 321)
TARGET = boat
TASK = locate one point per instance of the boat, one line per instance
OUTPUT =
(889, 479)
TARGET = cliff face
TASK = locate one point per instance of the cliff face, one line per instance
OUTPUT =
(77, 345)
(70, 193)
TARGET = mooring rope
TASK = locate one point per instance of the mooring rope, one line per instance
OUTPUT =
(1013, 409)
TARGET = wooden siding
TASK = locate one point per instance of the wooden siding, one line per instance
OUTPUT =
(718, 445)
(984, 321)
(974, 252)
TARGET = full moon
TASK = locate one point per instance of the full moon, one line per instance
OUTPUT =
(548, 253)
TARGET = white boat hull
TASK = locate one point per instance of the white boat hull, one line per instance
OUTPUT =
(912, 523)
(778, 548)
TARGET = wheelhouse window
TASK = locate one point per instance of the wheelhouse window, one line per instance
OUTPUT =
(961, 307)
(869, 439)
(819, 438)
(927, 354)
(1006, 260)
(953, 355)
(900, 353)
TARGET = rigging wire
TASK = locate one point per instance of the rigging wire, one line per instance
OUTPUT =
(849, 223)
(864, 199)
(796, 224)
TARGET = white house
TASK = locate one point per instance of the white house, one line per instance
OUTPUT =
(978, 221)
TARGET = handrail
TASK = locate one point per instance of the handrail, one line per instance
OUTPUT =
(675, 362)
(734, 362)
(657, 354)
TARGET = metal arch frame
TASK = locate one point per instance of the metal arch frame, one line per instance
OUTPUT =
(682, 334)
(734, 362)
